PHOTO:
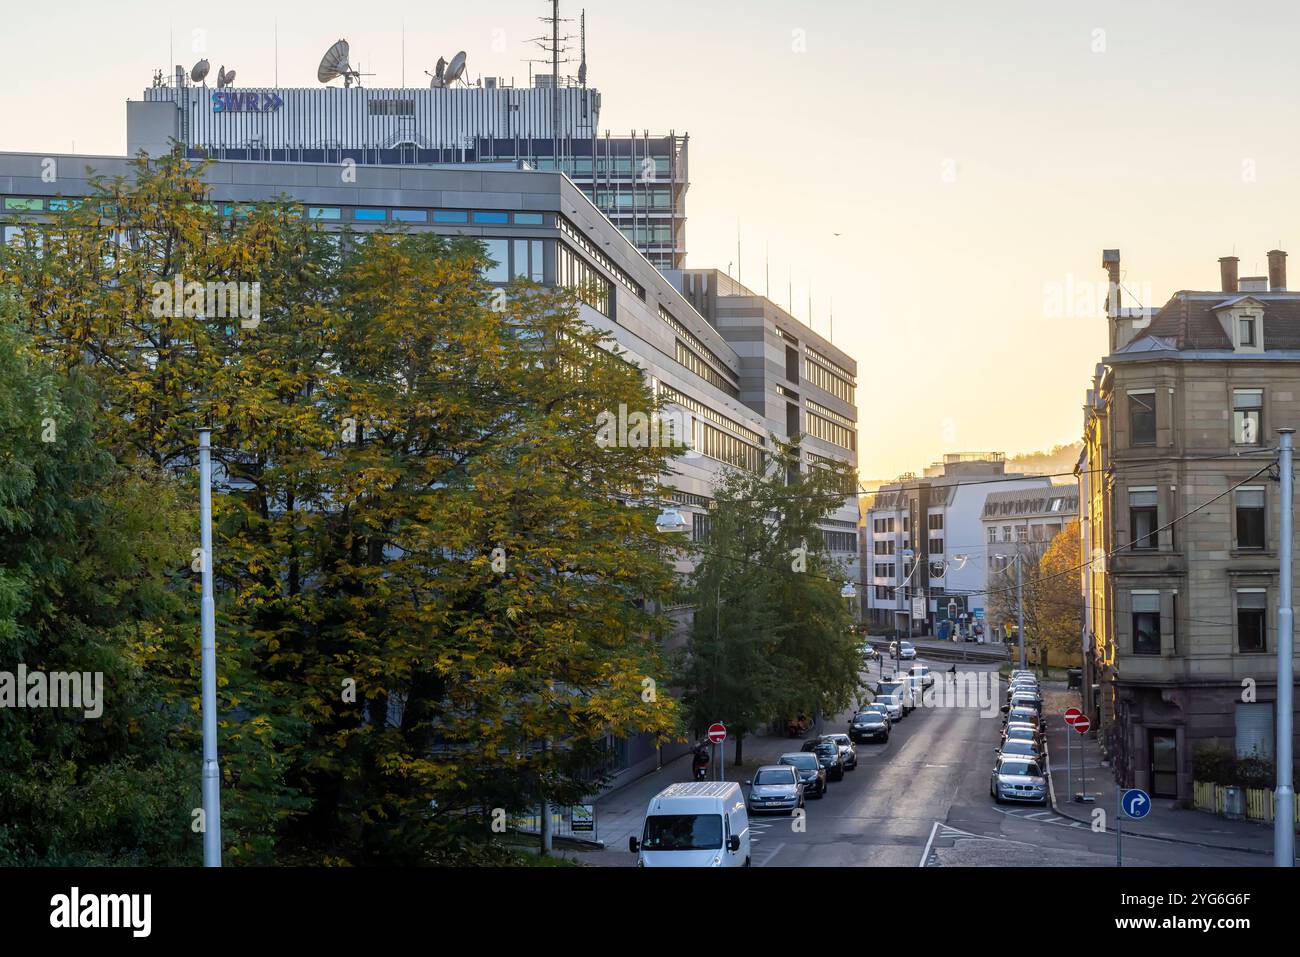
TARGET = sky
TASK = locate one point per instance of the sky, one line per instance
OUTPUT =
(938, 178)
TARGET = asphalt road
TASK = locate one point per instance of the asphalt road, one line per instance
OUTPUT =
(923, 800)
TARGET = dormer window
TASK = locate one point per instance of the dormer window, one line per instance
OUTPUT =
(1246, 332)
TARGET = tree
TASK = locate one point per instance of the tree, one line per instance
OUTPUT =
(88, 550)
(433, 584)
(1050, 585)
(771, 636)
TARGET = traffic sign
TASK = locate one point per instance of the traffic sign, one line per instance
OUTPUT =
(1136, 803)
(1072, 715)
(717, 732)
(1081, 724)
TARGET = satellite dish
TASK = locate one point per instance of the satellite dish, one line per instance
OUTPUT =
(454, 69)
(200, 71)
(438, 81)
(582, 73)
(335, 64)
(225, 77)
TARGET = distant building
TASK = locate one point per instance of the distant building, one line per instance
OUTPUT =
(1179, 427)
(951, 553)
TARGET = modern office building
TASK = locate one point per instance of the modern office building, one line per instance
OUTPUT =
(1180, 522)
(797, 380)
(948, 570)
(638, 180)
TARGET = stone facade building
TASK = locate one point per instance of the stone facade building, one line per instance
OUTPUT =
(1180, 522)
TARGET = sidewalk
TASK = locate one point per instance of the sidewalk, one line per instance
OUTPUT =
(1166, 822)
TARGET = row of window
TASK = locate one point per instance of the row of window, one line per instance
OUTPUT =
(586, 246)
(1249, 512)
(669, 394)
(524, 258)
(646, 235)
(631, 198)
(695, 362)
(823, 378)
(841, 541)
(883, 524)
(448, 217)
(832, 432)
(716, 444)
(1024, 533)
(574, 272)
(885, 569)
(884, 546)
(1251, 620)
(1247, 412)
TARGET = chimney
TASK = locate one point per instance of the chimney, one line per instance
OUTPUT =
(1110, 262)
(1228, 273)
(1277, 270)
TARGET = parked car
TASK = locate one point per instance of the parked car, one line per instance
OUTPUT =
(811, 772)
(829, 756)
(893, 705)
(697, 824)
(847, 750)
(1016, 779)
(869, 726)
(903, 650)
(775, 787)
(1023, 699)
(869, 652)
(1021, 732)
(879, 707)
(1021, 749)
(901, 688)
(1023, 715)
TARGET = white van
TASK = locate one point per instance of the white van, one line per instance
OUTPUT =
(699, 824)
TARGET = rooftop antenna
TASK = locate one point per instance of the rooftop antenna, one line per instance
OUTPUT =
(403, 54)
(767, 270)
(276, 52)
(738, 249)
(582, 66)
(335, 64)
(552, 46)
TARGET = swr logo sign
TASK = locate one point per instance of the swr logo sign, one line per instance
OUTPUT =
(243, 101)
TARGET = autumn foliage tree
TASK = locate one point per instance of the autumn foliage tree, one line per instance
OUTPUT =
(435, 589)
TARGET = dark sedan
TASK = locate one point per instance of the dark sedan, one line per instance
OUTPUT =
(811, 772)
(869, 726)
(830, 757)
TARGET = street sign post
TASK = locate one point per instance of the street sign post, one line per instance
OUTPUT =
(1071, 715)
(1080, 722)
(1134, 803)
(718, 736)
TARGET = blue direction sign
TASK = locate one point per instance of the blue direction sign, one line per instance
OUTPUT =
(1136, 803)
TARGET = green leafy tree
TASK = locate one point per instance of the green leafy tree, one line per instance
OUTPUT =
(771, 637)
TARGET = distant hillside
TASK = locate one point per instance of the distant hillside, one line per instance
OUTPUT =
(1061, 458)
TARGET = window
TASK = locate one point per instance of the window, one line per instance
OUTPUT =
(1252, 610)
(936, 522)
(792, 364)
(498, 250)
(993, 535)
(1246, 331)
(366, 214)
(323, 212)
(1146, 622)
(1142, 417)
(701, 525)
(936, 546)
(1006, 533)
(1142, 518)
(1250, 516)
(450, 216)
(1022, 533)
(528, 219)
(492, 218)
(574, 272)
(410, 216)
(1247, 404)
(1255, 734)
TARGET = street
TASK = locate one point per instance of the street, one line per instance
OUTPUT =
(922, 799)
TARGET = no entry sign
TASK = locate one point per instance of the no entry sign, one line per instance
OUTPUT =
(1073, 715)
(1081, 724)
(717, 732)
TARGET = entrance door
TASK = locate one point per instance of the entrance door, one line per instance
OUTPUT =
(1164, 764)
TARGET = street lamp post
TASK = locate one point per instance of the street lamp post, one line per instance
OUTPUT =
(208, 664)
(1284, 796)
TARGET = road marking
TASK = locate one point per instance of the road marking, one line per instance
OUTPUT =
(925, 855)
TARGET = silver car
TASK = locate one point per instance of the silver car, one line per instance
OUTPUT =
(848, 750)
(1018, 779)
(775, 787)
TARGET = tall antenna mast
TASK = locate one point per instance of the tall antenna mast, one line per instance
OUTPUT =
(552, 46)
